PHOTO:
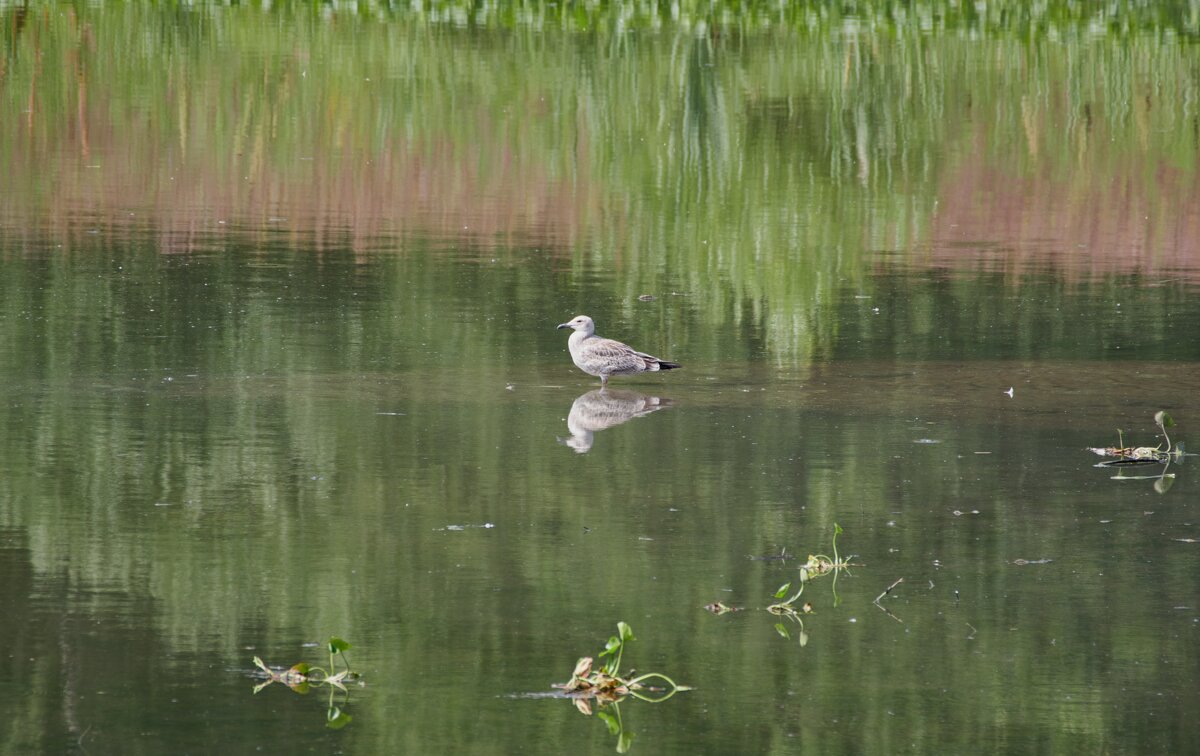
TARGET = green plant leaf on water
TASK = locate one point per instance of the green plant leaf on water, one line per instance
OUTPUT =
(625, 632)
(1163, 419)
(300, 668)
(336, 719)
(624, 741)
(612, 646)
(614, 727)
(783, 589)
(779, 628)
(336, 644)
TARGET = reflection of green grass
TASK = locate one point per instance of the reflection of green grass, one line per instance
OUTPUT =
(753, 170)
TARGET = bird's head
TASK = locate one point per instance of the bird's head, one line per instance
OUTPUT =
(580, 323)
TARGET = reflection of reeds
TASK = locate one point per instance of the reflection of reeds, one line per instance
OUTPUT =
(279, 143)
(765, 178)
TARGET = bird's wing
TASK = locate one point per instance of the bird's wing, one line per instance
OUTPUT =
(609, 356)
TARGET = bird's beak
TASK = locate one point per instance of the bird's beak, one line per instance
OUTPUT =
(563, 325)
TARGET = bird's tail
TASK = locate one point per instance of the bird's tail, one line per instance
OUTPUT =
(664, 365)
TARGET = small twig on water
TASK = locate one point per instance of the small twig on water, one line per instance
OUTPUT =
(973, 631)
(888, 590)
(885, 610)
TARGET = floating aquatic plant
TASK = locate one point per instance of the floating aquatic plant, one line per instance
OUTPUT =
(606, 684)
(607, 687)
(1141, 455)
(1128, 456)
(787, 606)
(302, 677)
(818, 565)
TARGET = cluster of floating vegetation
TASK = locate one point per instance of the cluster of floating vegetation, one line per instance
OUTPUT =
(600, 689)
(1141, 455)
(606, 686)
(603, 686)
(817, 565)
(1131, 456)
(302, 677)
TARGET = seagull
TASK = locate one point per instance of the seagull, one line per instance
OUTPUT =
(604, 357)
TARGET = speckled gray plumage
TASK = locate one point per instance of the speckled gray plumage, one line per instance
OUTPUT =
(603, 357)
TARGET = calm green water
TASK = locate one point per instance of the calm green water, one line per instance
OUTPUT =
(277, 304)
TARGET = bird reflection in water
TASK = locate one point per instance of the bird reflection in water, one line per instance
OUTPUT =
(604, 408)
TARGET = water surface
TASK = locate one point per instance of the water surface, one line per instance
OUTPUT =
(279, 294)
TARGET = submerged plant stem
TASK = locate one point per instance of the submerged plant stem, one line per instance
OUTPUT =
(638, 680)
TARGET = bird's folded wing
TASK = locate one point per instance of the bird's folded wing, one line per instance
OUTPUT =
(613, 356)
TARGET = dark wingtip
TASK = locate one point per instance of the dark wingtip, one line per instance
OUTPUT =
(668, 365)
